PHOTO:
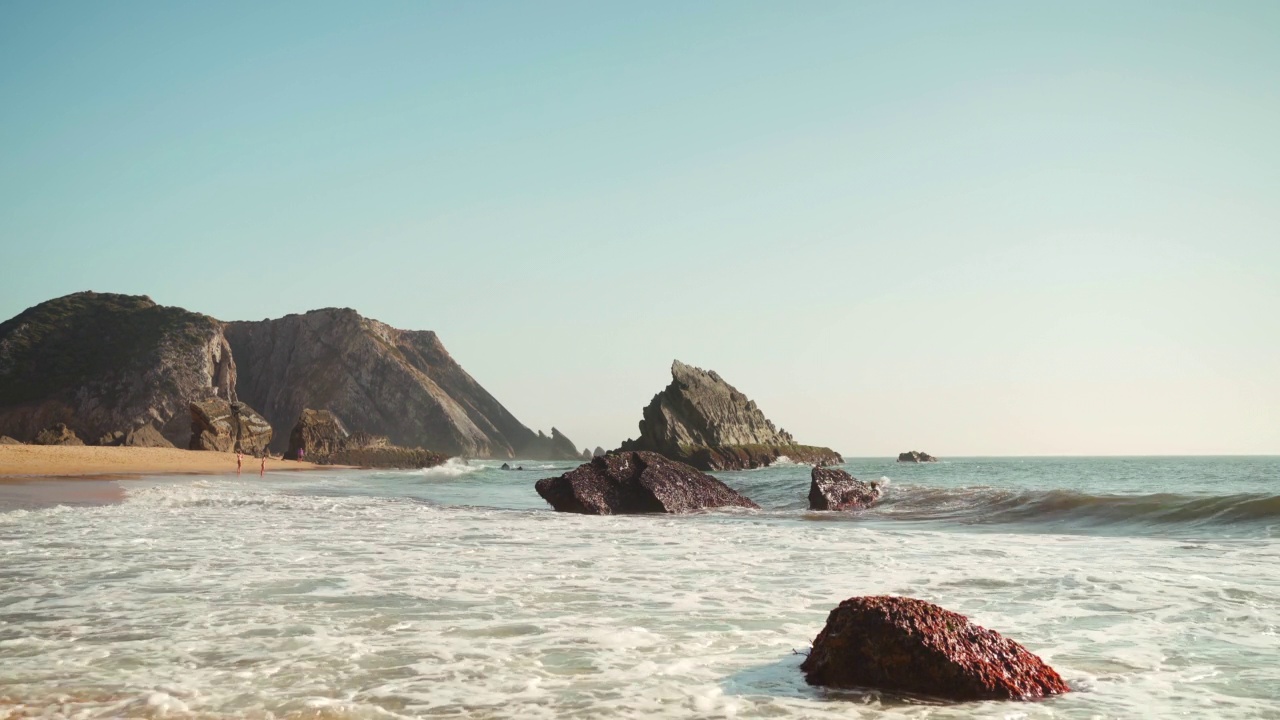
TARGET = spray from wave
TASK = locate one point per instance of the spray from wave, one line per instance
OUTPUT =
(453, 467)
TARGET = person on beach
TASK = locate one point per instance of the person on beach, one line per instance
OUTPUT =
(239, 461)
(263, 470)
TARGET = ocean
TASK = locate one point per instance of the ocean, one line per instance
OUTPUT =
(1151, 584)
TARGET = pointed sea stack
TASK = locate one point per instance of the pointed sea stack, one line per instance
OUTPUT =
(911, 646)
(704, 421)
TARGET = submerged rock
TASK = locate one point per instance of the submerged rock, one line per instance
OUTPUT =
(911, 646)
(916, 456)
(637, 482)
(835, 489)
(57, 434)
(704, 421)
(221, 426)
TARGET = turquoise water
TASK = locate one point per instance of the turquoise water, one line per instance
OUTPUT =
(1150, 584)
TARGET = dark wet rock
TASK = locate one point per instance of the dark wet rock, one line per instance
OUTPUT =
(835, 489)
(398, 384)
(910, 646)
(6, 440)
(101, 363)
(57, 434)
(220, 426)
(597, 452)
(505, 466)
(916, 456)
(701, 420)
(637, 482)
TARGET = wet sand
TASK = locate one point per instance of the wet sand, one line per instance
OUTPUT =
(27, 462)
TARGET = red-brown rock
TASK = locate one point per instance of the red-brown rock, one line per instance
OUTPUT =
(835, 489)
(911, 646)
(637, 482)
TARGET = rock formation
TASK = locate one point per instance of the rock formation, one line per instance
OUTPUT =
(102, 362)
(835, 489)
(396, 383)
(704, 421)
(916, 456)
(911, 646)
(597, 452)
(223, 426)
(636, 482)
(143, 436)
(57, 434)
(6, 440)
(320, 437)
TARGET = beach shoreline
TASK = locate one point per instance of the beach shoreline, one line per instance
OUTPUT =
(26, 463)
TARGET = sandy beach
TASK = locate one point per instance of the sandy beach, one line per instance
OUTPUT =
(19, 462)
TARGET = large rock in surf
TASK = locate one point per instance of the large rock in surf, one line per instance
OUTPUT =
(704, 421)
(395, 383)
(911, 646)
(637, 482)
(320, 437)
(835, 489)
(916, 456)
(101, 362)
(57, 434)
(221, 426)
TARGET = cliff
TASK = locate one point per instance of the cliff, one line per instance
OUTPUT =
(704, 421)
(380, 380)
(104, 363)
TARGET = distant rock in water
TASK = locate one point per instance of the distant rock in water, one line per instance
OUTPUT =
(221, 426)
(637, 482)
(101, 363)
(916, 456)
(143, 436)
(320, 437)
(597, 452)
(835, 489)
(57, 434)
(704, 421)
(395, 383)
(6, 440)
(911, 646)
(586, 453)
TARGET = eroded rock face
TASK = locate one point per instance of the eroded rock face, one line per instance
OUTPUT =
(916, 456)
(911, 646)
(221, 426)
(144, 436)
(100, 362)
(637, 482)
(57, 434)
(835, 489)
(395, 383)
(704, 421)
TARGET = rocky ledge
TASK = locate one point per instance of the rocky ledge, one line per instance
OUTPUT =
(320, 437)
(916, 456)
(914, 647)
(637, 482)
(701, 420)
(835, 489)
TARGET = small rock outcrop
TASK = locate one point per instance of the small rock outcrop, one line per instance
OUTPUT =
(910, 646)
(916, 456)
(835, 489)
(6, 440)
(101, 362)
(142, 436)
(223, 426)
(637, 482)
(704, 421)
(320, 437)
(57, 434)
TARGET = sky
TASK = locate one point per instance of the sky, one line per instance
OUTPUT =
(979, 228)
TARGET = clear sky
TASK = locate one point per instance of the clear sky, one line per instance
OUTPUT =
(962, 227)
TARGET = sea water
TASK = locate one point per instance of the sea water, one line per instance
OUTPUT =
(1151, 584)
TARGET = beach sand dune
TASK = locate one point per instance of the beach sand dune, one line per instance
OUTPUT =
(18, 461)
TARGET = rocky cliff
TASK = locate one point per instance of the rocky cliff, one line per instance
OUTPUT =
(704, 421)
(104, 363)
(380, 380)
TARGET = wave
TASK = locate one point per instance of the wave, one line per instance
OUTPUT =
(453, 467)
(1067, 508)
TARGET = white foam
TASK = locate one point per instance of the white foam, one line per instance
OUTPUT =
(453, 467)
